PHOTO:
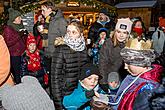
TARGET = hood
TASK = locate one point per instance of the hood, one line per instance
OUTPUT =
(154, 74)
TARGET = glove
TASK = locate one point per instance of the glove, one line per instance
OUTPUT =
(89, 94)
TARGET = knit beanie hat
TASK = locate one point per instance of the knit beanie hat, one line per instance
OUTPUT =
(89, 69)
(13, 14)
(113, 76)
(104, 11)
(30, 39)
(28, 95)
(124, 24)
(138, 53)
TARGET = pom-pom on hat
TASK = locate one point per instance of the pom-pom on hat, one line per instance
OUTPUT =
(28, 95)
(89, 69)
(13, 14)
(124, 24)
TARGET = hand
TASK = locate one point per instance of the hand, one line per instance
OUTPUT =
(97, 94)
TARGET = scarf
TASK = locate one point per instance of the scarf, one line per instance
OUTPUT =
(75, 44)
(34, 62)
(139, 31)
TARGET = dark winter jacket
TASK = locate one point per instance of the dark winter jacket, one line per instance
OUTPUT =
(94, 29)
(152, 100)
(57, 28)
(15, 41)
(65, 70)
(38, 74)
(110, 59)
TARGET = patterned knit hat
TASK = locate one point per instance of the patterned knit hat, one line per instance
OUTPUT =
(138, 53)
(30, 39)
(124, 24)
(28, 95)
(13, 14)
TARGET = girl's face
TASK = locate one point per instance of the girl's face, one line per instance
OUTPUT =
(91, 81)
(18, 20)
(121, 35)
(73, 31)
(138, 24)
(102, 35)
(32, 47)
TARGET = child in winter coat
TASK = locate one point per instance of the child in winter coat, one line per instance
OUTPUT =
(82, 95)
(32, 62)
(102, 36)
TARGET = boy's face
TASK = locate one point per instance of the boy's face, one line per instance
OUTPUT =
(134, 70)
(113, 84)
(32, 47)
(102, 35)
(45, 11)
(91, 81)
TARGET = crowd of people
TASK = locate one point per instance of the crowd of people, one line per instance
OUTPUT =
(117, 67)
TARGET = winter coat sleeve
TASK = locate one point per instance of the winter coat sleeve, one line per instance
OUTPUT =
(104, 59)
(56, 29)
(11, 37)
(24, 70)
(4, 60)
(56, 75)
(75, 100)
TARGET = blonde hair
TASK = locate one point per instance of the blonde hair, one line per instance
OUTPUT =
(114, 38)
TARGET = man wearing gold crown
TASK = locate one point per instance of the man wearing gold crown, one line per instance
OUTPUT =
(144, 75)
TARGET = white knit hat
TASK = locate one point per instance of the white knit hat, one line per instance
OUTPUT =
(28, 95)
(125, 24)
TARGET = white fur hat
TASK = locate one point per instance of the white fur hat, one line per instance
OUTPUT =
(125, 24)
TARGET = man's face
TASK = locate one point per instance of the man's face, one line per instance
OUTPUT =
(45, 11)
(134, 70)
(102, 17)
(121, 35)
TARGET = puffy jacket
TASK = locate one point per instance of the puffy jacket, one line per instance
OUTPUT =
(15, 42)
(5, 76)
(65, 69)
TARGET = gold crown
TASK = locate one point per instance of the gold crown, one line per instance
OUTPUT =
(134, 43)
